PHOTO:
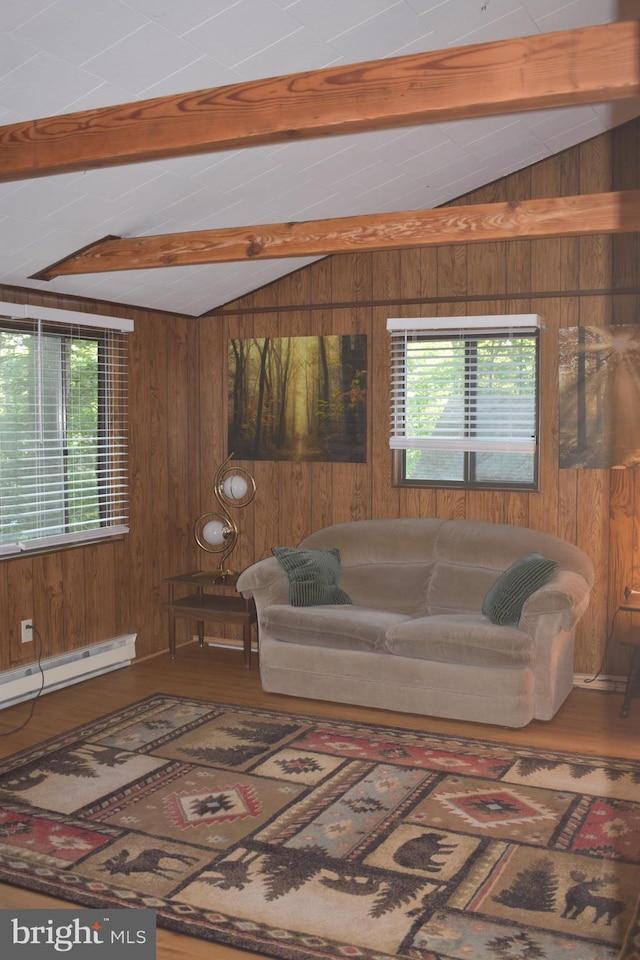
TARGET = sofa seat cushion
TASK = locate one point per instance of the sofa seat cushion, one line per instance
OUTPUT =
(348, 627)
(460, 638)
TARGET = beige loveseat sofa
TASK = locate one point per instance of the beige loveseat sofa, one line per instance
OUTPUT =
(414, 638)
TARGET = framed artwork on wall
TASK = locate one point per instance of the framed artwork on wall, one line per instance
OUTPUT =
(298, 398)
(599, 396)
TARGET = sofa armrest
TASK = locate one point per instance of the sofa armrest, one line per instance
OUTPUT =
(566, 594)
(549, 616)
(265, 581)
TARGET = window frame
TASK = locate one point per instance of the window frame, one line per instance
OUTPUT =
(469, 329)
(111, 485)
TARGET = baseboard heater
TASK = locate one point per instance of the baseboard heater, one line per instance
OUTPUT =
(23, 683)
(605, 683)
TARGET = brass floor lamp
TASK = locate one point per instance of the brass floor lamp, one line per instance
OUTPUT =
(217, 532)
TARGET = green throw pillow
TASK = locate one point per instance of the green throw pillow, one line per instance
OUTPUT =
(313, 576)
(504, 601)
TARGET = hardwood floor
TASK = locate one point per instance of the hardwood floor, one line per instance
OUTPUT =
(589, 722)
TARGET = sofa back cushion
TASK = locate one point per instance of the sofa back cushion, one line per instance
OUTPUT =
(386, 564)
(426, 565)
(472, 555)
(397, 587)
(459, 587)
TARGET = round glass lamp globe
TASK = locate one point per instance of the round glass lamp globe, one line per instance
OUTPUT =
(213, 532)
(235, 487)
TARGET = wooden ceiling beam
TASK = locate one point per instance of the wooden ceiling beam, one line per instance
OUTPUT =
(565, 68)
(604, 213)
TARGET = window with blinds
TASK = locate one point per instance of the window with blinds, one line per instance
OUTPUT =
(464, 401)
(63, 427)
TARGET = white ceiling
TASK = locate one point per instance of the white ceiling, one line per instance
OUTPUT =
(60, 56)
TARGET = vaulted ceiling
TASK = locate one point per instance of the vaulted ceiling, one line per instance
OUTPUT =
(68, 56)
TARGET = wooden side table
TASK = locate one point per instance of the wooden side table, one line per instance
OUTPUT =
(216, 604)
(631, 639)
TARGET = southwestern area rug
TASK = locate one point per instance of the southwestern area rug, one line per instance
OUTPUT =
(307, 839)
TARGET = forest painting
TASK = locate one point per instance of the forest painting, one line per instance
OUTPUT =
(600, 396)
(298, 398)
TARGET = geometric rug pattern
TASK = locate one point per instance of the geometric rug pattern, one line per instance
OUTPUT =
(307, 839)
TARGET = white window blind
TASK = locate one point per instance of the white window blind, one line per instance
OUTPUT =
(464, 384)
(63, 427)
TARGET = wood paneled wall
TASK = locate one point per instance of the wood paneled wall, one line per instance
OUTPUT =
(587, 280)
(178, 421)
(89, 594)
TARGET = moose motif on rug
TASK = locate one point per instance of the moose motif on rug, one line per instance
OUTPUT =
(583, 895)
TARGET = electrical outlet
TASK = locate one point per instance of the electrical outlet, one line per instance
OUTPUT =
(26, 631)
